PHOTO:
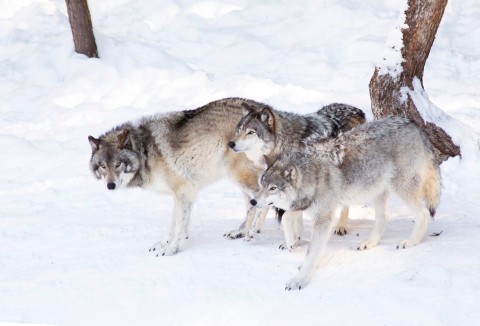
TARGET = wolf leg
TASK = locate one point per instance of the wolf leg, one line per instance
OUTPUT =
(247, 223)
(293, 230)
(298, 229)
(380, 204)
(298, 226)
(341, 228)
(182, 207)
(260, 216)
(260, 219)
(289, 232)
(322, 230)
(422, 216)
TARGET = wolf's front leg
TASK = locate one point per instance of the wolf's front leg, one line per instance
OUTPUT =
(182, 207)
(322, 230)
(292, 223)
(247, 223)
(257, 224)
(341, 228)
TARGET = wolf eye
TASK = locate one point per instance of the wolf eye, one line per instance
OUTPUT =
(250, 132)
(273, 188)
(117, 165)
(102, 165)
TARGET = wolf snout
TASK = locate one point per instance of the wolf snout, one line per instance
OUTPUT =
(111, 185)
(231, 144)
(253, 202)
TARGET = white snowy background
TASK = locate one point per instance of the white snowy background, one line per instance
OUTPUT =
(74, 253)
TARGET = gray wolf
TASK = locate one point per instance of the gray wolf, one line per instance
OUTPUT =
(372, 161)
(177, 153)
(263, 134)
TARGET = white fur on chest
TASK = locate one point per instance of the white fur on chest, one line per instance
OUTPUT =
(256, 155)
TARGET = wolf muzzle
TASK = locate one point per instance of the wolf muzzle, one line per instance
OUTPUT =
(253, 202)
(111, 185)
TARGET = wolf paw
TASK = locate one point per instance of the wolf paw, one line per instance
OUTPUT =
(365, 245)
(251, 234)
(406, 244)
(234, 234)
(340, 231)
(296, 244)
(164, 249)
(285, 246)
(296, 283)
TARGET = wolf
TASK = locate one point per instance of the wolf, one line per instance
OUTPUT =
(372, 161)
(263, 134)
(177, 153)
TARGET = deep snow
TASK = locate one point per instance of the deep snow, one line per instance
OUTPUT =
(73, 253)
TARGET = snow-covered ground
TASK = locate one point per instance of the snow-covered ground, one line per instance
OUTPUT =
(73, 253)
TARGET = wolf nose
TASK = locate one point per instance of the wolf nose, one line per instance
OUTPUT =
(111, 185)
(231, 144)
(253, 202)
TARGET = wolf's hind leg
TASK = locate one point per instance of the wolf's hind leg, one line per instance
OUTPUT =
(341, 228)
(380, 204)
(422, 217)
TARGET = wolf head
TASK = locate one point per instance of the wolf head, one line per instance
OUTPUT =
(287, 184)
(255, 133)
(114, 159)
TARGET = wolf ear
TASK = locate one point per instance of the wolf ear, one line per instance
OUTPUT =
(124, 139)
(266, 116)
(95, 143)
(290, 172)
(246, 109)
(268, 162)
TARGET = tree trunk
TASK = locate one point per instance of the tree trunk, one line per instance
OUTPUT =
(390, 85)
(82, 29)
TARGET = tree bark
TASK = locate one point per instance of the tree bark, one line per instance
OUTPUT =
(82, 30)
(387, 90)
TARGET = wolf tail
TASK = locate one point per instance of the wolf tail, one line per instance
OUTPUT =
(342, 116)
(432, 188)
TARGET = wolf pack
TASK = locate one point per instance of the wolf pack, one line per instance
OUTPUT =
(315, 165)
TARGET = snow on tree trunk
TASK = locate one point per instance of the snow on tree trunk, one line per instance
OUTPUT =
(398, 78)
(82, 30)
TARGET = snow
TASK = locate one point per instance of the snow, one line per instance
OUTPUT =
(462, 134)
(392, 59)
(73, 253)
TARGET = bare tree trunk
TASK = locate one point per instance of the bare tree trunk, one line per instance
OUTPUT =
(387, 86)
(82, 30)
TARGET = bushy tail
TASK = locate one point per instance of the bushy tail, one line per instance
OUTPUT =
(342, 116)
(432, 188)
